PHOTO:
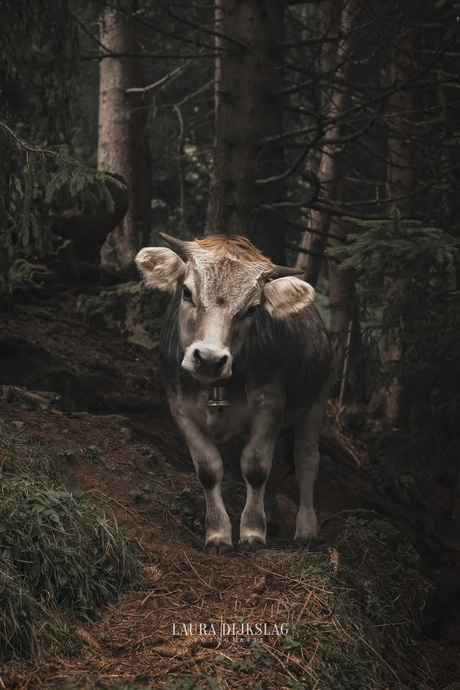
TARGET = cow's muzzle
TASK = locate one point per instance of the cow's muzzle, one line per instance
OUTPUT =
(207, 363)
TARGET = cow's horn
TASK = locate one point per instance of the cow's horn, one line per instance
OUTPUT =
(179, 245)
(283, 271)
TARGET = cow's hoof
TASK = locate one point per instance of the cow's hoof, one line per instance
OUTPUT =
(252, 545)
(217, 548)
(306, 543)
(273, 529)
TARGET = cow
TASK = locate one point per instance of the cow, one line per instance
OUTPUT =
(243, 351)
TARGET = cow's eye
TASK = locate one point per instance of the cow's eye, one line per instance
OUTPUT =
(251, 311)
(187, 294)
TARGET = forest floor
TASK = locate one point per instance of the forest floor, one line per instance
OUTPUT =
(109, 428)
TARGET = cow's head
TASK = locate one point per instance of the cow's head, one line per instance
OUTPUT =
(223, 281)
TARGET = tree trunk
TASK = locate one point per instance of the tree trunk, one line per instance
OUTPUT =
(404, 152)
(404, 156)
(345, 327)
(123, 137)
(330, 173)
(249, 73)
(345, 324)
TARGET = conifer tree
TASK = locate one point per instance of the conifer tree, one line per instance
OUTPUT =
(123, 145)
(37, 60)
(427, 312)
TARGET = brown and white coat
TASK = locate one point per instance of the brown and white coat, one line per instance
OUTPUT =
(238, 321)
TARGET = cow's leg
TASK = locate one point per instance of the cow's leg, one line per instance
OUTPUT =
(307, 429)
(256, 463)
(210, 470)
(278, 472)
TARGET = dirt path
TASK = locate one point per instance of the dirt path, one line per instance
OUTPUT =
(110, 430)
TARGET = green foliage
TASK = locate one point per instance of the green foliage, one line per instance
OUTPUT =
(59, 556)
(397, 247)
(67, 552)
(27, 625)
(359, 616)
(407, 279)
(36, 63)
(37, 60)
(32, 181)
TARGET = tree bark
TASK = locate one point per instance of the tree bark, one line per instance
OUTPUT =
(345, 327)
(404, 152)
(334, 104)
(123, 134)
(404, 157)
(249, 72)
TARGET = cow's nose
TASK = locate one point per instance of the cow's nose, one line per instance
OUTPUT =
(209, 361)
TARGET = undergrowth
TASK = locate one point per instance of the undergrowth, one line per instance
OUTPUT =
(26, 625)
(61, 558)
(373, 596)
(407, 278)
(356, 611)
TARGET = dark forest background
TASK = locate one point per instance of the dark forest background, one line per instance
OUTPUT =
(326, 132)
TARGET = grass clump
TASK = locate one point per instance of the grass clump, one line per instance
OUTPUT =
(58, 556)
(26, 625)
(369, 596)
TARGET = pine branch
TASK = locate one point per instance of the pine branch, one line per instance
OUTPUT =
(34, 149)
(34, 180)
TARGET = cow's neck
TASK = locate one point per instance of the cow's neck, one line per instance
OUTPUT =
(217, 396)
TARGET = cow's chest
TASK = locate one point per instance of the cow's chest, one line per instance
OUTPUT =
(220, 422)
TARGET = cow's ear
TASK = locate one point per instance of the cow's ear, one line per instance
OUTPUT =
(287, 296)
(161, 268)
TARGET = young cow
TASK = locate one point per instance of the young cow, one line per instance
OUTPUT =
(243, 349)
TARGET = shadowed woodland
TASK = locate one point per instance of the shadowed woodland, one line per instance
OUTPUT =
(328, 134)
